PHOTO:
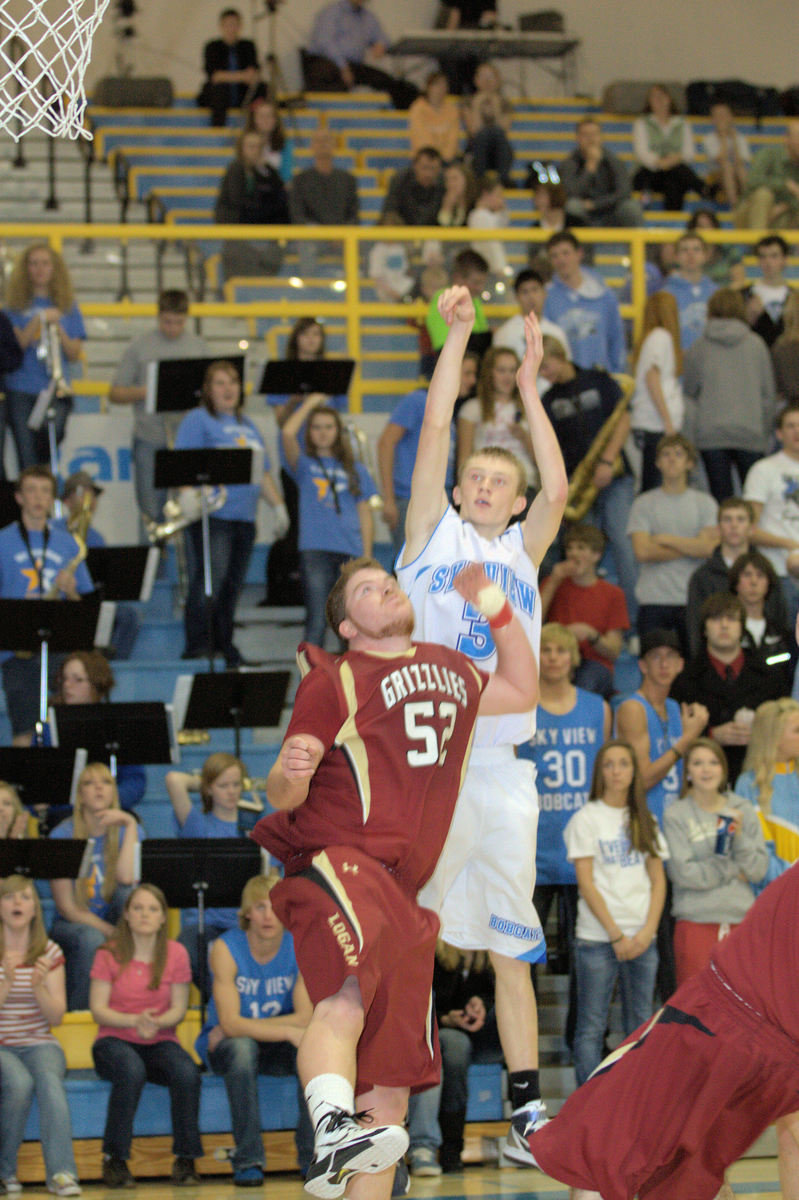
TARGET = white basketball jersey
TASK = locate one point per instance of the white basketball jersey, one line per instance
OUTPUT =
(443, 616)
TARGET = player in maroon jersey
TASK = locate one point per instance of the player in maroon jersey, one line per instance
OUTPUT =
(367, 780)
(685, 1095)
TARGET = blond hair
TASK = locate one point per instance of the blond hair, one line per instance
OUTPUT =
(214, 766)
(559, 635)
(761, 753)
(37, 934)
(19, 292)
(110, 841)
(255, 889)
(18, 809)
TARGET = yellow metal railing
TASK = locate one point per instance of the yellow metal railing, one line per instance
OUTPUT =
(346, 303)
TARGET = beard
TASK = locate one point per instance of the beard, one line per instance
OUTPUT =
(401, 626)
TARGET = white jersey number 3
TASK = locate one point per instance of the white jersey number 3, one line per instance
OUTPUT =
(433, 749)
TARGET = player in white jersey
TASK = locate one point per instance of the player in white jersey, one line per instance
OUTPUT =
(483, 885)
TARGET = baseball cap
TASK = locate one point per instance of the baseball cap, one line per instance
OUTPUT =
(80, 479)
(654, 639)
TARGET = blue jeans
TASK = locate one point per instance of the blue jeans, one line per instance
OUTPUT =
(491, 151)
(230, 547)
(610, 512)
(128, 1066)
(33, 445)
(597, 971)
(458, 1051)
(240, 1060)
(319, 570)
(719, 464)
(80, 944)
(23, 1070)
(149, 498)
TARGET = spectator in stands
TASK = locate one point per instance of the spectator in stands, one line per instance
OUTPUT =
(580, 403)
(344, 35)
(671, 527)
(36, 560)
(549, 201)
(471, 270)
(219, 423)
(460, 193)
(587, 311)
(771, 486)
(724, 264)
(571, 725)
(258, 1013)
(463, 991)
(322, 194)
(716, 854)
(40, 303)
(389, 268)
(487, 118)
(495, 417)
(416, 192)
(592, 609)
(220, 784)
(231, 69)
(278, 150)
(153, 431)
(13, 817)
(489, 212)
(88, 907)
(754, 581)
(736, 519)
(657, 404)
(729, 680)
(690, 286)
(771, 197)
(336, 521)
(251, 193)
(617, 851)
(79, 498)
(464, 14)
(729, 388)
(785, 354)
(434, 120)
(597, 183)
(396, 450)
(766, 298)
(664, 146)
(139, 995)
(32, 1001)
(530, 295)
(728, 154)
(770, 779)
(10, 359)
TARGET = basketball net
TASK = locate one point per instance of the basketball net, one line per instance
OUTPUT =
(45, 48)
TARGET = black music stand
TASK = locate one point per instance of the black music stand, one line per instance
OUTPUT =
(203, 469)
(289, 376)
(199, 873)
(124, 733)
(41, 772)
(39, 626)
(9, 509)
(43, 858)
(175, 385)
(124, 572)
(231, 700)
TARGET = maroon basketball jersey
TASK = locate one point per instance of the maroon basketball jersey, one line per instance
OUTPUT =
(397, 731)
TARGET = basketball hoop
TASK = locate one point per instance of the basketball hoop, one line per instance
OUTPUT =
(44, 54)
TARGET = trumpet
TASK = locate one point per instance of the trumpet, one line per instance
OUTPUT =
(183, 510)
(49, 351)
(582, 492)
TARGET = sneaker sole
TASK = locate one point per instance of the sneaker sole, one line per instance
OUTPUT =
(429, 1172)
(520, 1156)
(328, 1179)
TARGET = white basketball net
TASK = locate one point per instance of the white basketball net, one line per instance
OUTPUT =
(44, 52)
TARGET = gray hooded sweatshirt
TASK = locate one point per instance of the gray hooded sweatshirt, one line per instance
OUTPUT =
(729, 388)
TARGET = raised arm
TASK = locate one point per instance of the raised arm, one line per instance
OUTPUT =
(546, 512)
(293, 424)
(514, 685)
(428, 498)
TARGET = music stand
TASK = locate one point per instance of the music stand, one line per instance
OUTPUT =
(124, 572)
(199, 873)
(230, 700)
(175, 384)
(39, 772)
(202, 469)
(43, 858)
(119, 734)
(9, 509)
(39, 626)
(329, 375)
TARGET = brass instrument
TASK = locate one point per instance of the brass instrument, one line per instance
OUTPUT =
(183, 510)
(78, 525)
(49, 351)
(582, 492)
(363, 454)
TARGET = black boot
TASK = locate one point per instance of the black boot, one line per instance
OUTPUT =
(452, 1126)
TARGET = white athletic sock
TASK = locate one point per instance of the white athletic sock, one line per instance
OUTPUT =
(326, 1094)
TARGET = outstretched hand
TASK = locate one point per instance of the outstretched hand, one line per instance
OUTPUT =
(456, 306)
(527, 374)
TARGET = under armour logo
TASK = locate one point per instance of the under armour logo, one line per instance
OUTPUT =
(351, 867)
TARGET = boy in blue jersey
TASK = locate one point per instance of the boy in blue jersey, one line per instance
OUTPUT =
(586, 310)
(691, 287)
(256, 1018)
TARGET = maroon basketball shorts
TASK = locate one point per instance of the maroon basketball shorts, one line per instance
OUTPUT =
(349, 915)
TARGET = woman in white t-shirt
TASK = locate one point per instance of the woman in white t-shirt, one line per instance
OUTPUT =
(657, 405)
(495, 416)
(32, 1000)
(617, 851)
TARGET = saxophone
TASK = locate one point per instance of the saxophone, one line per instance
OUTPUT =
(78, 525)
(582, 492)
